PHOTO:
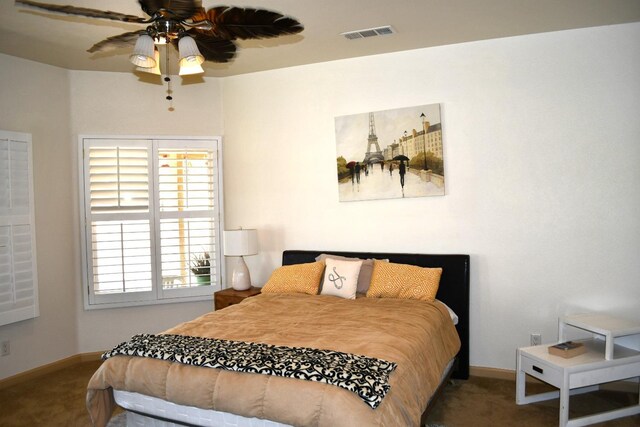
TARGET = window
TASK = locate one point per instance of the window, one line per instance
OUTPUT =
(152, 220)
(18, 272)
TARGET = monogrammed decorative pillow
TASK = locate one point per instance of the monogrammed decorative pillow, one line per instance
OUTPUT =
(341, 278)
(364, 278)
(390, 280)
(303, 278)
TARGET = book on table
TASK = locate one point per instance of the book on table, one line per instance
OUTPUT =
(567, 349)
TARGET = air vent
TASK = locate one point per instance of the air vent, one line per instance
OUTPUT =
(369, 32)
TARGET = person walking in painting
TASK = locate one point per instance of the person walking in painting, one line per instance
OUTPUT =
(390, 169)
(382, 166)
(353, 174)
(402, 171)
(357, 168)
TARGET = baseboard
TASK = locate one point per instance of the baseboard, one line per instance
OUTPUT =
(495, 373)
(49, 368)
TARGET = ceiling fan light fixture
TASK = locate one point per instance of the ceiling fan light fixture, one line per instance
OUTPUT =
(156, 68)
(143, 53)
(190, 67)
(189, 52)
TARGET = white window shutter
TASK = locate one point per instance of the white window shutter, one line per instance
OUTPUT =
(18, 270)
(118, 219)
(187, 188)
(150, 207)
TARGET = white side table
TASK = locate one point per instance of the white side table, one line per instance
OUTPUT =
(583, 373)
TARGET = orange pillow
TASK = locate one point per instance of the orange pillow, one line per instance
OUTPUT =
(391, 280)
(302, 278)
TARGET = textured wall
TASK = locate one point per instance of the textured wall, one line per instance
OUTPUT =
(541, 156)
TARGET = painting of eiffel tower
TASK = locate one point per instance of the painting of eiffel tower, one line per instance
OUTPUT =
(372, 156)
(390, 154)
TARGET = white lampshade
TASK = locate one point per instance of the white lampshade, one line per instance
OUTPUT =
(143, 53)
(189, 52)
(240, 242)
(155, 69)
(188, 68)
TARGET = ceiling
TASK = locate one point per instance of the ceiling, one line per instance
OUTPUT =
(62, 40)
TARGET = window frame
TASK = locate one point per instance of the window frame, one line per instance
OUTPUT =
(157, 294)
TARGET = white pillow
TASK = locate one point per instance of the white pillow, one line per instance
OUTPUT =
(454, 316)
(341, 278)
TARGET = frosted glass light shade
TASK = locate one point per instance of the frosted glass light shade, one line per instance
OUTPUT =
(143, 53)
(188, 68)
(155, 69)
(240, 242)
(189, 52)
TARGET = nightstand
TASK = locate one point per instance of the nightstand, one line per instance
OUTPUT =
(604, 361)
(230, 296)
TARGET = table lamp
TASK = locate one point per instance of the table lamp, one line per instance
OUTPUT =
(240, 243)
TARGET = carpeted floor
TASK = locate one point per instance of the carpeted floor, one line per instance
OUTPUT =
(57, 399)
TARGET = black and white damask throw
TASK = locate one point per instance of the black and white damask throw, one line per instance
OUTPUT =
(368, 377)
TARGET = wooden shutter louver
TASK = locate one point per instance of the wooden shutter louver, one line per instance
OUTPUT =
(119, 179)
(18, 271)
(120, 238)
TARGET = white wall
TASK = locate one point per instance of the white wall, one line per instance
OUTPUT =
(542, 149)
(120, 104)
(34, 98)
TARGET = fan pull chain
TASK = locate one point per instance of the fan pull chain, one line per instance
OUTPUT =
(167, 78)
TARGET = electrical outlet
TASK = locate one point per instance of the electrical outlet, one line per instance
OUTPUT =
(5, 349)
(536, 339)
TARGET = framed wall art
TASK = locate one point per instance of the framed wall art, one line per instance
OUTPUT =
(390, 154)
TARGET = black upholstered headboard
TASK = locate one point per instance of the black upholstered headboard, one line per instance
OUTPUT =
(453, 290)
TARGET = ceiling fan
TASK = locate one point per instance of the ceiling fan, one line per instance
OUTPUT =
(198, 34)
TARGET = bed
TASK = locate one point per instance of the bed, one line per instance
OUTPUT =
(162, 392)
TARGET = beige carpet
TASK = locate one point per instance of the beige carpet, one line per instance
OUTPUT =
(58, 399)
(490, 402)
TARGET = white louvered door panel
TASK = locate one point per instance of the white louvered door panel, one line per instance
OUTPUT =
(18, 268)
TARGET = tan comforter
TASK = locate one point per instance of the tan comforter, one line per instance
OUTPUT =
(417, 335)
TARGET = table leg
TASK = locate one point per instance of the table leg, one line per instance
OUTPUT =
(564, 401)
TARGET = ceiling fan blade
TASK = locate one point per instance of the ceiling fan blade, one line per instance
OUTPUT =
(179, 9)
(82, 11)
(248, 23)
(213, 48)
(115, 42)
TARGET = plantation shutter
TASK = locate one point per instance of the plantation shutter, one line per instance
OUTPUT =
(118, 219)
(150, 209)
(18, 270)
(187, 186)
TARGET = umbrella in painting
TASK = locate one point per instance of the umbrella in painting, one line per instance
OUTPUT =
(402, 169)
(351, 164)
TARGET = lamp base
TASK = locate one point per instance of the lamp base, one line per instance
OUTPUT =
(240, 278)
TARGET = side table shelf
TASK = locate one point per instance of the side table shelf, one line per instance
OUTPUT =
(608, 327)
(603, 362)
